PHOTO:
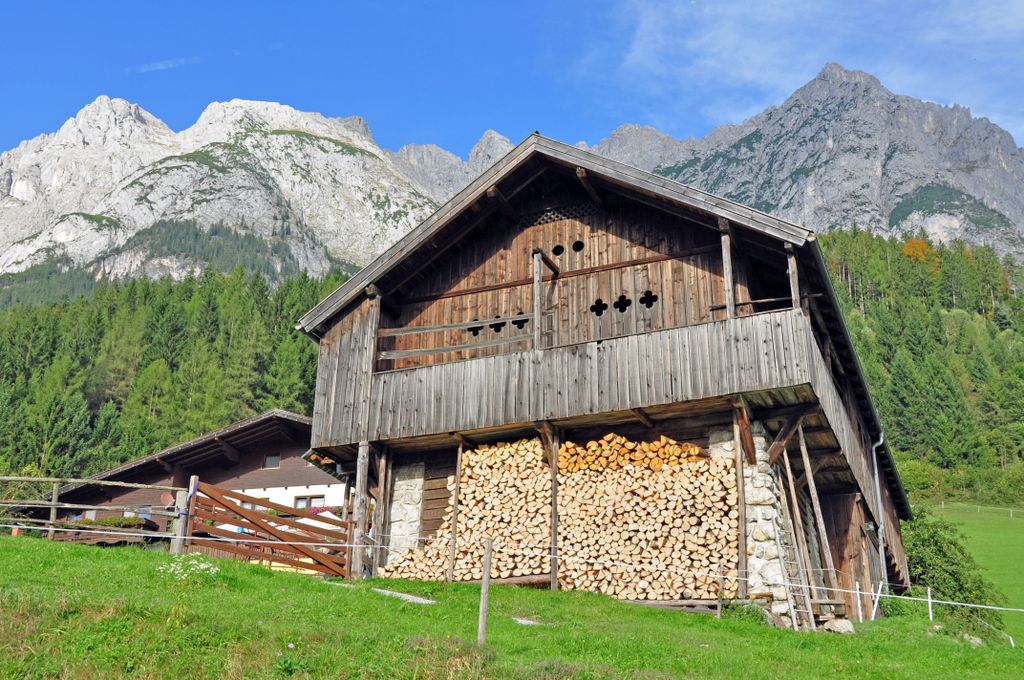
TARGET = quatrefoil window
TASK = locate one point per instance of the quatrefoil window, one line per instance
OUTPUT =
(520, 323)
(475, 330)
(599, 307)
(622, 304)
(497, 325)
(648, 299)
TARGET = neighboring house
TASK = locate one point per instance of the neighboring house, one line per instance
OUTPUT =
(563, 294)
(260, 456)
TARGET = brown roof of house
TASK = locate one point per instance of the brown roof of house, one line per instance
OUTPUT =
(266, 425)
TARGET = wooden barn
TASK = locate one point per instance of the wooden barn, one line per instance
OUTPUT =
(630, 385)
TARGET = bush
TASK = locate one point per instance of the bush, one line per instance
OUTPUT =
(939, 559)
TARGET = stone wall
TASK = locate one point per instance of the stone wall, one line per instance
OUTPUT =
(765, 529)
(406, 505)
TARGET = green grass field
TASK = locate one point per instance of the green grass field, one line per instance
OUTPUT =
(997, 542)
(84, 612)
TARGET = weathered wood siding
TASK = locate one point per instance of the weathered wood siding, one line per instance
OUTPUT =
(664, 273)
(758, 352)
(343, 375)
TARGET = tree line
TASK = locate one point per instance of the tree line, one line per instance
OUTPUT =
(135, 366)
(939, 330)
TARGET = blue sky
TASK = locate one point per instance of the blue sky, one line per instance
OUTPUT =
(444, 74)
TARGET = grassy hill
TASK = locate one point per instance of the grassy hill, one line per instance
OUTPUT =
(78, 611)
(997, 542)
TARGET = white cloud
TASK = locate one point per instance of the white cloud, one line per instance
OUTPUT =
(725, 60)
(164, 65)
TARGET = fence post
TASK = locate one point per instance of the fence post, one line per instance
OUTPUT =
(860, 605)
(485, 592)
(181, 521)
(721, 587)
(931, 613)
(878, 598)
(53, 508)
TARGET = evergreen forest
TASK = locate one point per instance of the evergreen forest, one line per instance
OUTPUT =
(130, 367)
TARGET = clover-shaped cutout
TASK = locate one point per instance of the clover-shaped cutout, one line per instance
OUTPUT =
(599, 307)
(497, 325)
(648, 299)
(622, 304)
(475, 330)
(520, 323)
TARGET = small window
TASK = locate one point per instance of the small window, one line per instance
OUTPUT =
(558, 250)
(272, 461)
(577, 246)
(306, 502)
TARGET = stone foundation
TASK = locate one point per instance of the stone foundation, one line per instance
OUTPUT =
(406, 504)
(763, 499)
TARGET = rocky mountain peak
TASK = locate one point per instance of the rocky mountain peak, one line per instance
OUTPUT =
(489, 148)
(106, 119)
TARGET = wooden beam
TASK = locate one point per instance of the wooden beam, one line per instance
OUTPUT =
(548, 262)
(784, 412)
(588, 186)
(554, 442)
(730, 286)
(742, 412)
(782, 438)
(741, 506)
(454, 537)
(794, 277)
(229, 451)
(816, 503)
(359, 509)
(537, 315)
(642, 417)
(165, 465)
(816, 467)
(504, 207)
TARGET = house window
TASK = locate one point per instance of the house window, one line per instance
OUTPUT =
(306, 502)
(272, 461)
(249, 506)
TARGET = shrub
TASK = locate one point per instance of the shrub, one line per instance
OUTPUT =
(939, 559)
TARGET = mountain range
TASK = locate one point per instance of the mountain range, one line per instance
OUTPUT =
(116, 193)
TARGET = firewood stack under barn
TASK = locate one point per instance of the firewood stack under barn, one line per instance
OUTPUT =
(637, 520)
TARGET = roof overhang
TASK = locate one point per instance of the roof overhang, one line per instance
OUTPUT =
(267, 426)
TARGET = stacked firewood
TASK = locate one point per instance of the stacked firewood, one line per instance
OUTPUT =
(646, 520)
(637, 520)
(505, 495)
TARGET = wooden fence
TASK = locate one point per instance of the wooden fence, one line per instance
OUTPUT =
(267, 532)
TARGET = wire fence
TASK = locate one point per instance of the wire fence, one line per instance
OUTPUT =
(1003, 511)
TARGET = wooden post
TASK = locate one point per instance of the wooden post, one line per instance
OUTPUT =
(816, 504)
(741, 506)
(730, 290)
(485, 592)
(359, 510)
(554, 443)
(379, 511)
(721, 588)
(537, 282)
(54, 499)
(181, 522)
(860, 605)
(878, 598)
(794, 276)
(452, 542)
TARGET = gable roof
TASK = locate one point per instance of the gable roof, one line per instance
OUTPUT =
(538, 146)
(262, 427)
(643, 183)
